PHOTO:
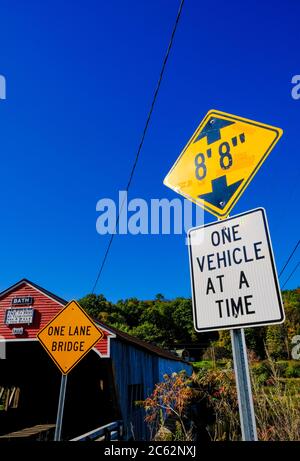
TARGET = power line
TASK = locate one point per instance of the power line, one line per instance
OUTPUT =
(292, 273)
(289, 258)
(141, 141)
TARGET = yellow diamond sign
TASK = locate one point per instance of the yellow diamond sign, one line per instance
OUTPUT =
(220, 159)
(69, 336)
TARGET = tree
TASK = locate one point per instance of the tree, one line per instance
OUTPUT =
(275, 342)
(95, 304)
(255, 340)
(159, 297)
(131, 310)
(149, 332)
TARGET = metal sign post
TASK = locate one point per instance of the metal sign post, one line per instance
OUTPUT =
(60, 411)
(243, 385)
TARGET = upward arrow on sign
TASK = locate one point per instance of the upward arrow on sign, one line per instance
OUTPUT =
(212, 130)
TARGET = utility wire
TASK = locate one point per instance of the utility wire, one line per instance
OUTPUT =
(292, 273)
(289, 258)
(141, 142)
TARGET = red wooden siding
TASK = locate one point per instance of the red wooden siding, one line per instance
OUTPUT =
(45, 308)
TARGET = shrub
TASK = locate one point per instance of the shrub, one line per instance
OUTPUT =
(216, 352)
(203, 364)
(277, 407)
(281, 366)
(293, 370)
(218, 386)
(261, 372)
(288, 368)
(169, 401)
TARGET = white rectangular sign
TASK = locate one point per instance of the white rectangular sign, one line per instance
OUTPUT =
(19, 316)
(233, 274)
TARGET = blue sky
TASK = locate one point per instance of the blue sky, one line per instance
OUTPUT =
(80, 77)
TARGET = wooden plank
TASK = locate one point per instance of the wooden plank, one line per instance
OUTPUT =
(29, 431)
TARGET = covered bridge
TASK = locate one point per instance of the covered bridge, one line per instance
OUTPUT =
(101, 389)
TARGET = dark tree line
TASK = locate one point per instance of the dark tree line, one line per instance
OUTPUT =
(168, 323)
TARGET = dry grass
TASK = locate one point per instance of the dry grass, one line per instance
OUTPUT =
(277, 407)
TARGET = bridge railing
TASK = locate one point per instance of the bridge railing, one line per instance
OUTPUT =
(111, 431)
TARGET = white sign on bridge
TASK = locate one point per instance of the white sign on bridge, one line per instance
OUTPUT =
(233, 274)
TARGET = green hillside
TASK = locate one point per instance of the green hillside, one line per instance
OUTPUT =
(169, 323)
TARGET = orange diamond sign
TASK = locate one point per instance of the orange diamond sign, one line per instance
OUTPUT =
(69, 336)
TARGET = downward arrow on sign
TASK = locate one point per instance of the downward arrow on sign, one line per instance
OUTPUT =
(221, 192)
